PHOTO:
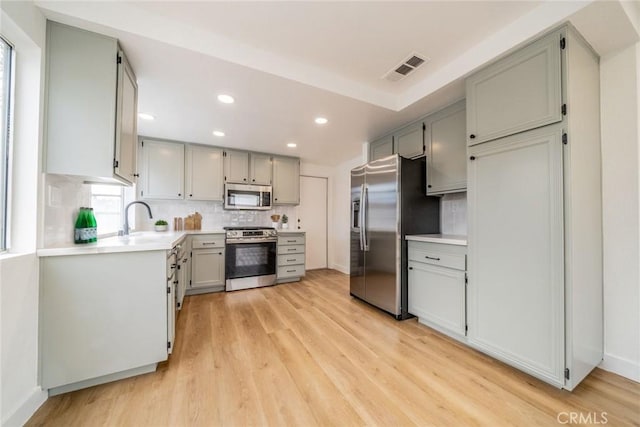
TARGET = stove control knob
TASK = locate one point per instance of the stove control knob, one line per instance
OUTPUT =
(232, 233)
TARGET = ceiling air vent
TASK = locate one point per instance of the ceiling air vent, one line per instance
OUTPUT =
(406, 67)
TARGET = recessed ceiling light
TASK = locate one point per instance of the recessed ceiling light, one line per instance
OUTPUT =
(225, 99)
(292, 145)
(321, 120)
(146, 116)
(218, 133)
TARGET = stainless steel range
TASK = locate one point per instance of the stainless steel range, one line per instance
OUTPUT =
(250, 260)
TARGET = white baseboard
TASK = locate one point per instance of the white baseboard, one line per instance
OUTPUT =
(624, 367)
(27, 409)
(341, 268)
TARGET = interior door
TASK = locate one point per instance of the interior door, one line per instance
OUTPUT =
(381, 235)
(357, 278)
(312, 218)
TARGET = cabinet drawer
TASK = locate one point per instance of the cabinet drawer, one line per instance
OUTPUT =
(206, 242)
(292, 249)
(290, 271)
(290, 240)
(292, 259)
(438, 254)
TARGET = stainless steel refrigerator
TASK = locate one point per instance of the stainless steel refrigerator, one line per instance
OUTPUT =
(388, 201)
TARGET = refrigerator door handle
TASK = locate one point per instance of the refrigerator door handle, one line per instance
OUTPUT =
(364, 225)
(360, 219)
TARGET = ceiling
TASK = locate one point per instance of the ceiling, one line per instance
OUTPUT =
(286, 63)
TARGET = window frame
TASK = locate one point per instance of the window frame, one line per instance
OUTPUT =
(6, 145)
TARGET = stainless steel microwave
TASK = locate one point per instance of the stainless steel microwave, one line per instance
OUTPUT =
(245, 196)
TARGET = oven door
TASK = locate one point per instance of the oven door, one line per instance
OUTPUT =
(248, 259)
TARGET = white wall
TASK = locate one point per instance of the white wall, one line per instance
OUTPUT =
(24, 26)
(620, 116)
(339, 239)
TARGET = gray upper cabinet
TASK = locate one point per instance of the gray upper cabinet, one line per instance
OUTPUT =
(260, 169)
(203, 173)
(446, 150)
(381, 148)
(90, 107)
(520, 92)
(409, 141)
(236, 166)
(286, 181)
(162, 170)
(126, 123)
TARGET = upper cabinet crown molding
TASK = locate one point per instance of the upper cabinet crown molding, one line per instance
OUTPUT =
(91, 107)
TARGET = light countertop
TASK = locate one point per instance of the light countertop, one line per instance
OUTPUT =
(289, 231)
(448, 239)
(139, 241)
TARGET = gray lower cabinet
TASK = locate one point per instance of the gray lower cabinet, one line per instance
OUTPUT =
(291, 257)
(381, 148)
(207, 264)
(520, 92)
(437, 288)
(286, 181)
(103, 317)
(446, 143)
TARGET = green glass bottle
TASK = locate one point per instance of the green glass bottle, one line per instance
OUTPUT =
(81, 225)
(92, 225)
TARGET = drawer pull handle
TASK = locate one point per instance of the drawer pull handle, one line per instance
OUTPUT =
(291, 260)
(292, 249)
(291, 271)
(209, 243)
(435, 259)
(291, 241)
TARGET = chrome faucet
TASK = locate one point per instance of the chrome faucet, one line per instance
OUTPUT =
(125, 231)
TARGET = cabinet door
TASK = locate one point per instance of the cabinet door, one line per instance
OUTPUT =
(437, 295)
(236, 166)
(286, 181)
(207, 268)
(409, 142)
(516, 259)
(517, 93)
(162, 170)
(261, 169)
(381, 148)
(82, 79)
(204, 173)
(447, 151)
(126, 123)
(171, 315)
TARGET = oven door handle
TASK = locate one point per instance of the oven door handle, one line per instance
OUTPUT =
(247, 241)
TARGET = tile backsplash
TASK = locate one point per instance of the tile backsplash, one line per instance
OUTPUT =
(213, 215)
(63, 196)
(453, 214)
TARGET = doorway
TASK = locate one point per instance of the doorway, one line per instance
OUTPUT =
(312, 218)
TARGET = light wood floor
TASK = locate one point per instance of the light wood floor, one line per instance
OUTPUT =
(305, 354)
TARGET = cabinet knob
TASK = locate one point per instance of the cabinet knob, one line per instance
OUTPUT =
(219, 253)
(276, 199)
(244, 179)
(254, 180)
(472, 136)
(190, 195)
(472, 158)
(179, 194)
(410, 268)
(429, 186)
(298, 227)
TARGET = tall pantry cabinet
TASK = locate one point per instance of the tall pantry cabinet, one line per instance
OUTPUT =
(535, 225)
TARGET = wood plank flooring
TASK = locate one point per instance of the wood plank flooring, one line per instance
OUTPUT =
(305, 354)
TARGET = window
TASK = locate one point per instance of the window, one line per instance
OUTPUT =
(6, 83)
(108, 202)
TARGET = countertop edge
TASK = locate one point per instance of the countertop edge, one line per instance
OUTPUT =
(447, 240)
